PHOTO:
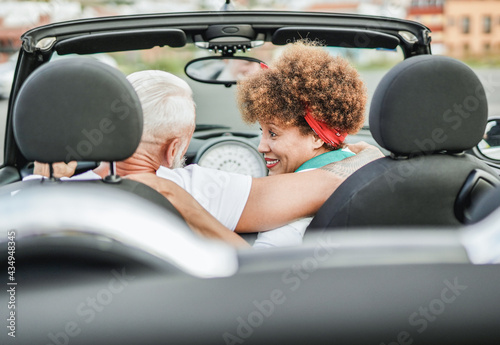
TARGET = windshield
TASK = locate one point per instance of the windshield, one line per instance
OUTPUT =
(216, 104)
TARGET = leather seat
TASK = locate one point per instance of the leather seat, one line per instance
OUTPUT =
(80, 109)
(426, 111)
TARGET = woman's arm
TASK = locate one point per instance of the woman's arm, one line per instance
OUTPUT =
(273, 200)
(280, 199)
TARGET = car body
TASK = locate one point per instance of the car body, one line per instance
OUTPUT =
(91, 265)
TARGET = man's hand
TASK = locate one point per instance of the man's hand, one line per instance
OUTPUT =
(358, 147)
(61, 169)
(365, 153)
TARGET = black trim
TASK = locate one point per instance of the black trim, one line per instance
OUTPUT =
(338, 37)
(199, 22)
(121, 41)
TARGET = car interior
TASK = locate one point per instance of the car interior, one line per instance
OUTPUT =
(245, 37)
(403, 252)
(97, 119)
(427, 179)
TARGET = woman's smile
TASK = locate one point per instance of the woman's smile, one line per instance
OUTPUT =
(285, 148)
(271, 163)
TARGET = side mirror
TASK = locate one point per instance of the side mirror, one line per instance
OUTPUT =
(221, 70)
(489, 147)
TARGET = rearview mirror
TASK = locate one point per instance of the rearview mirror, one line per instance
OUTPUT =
(490, 145)
(222, 70)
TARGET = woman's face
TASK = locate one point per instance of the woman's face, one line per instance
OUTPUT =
(285, 149)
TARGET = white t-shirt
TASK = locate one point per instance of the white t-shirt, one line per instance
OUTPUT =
(286, 235)
(222, 194)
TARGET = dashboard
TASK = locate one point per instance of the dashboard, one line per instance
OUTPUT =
(228, 151)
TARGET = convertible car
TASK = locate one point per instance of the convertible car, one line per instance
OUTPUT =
(405, 251)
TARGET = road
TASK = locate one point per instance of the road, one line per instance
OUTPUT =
(205, 96)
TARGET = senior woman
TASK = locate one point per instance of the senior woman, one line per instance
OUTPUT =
(306, 103)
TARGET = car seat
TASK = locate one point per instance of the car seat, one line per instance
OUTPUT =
(426, 111)
(80, 109)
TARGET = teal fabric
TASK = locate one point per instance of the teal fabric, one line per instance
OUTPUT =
(324, 159)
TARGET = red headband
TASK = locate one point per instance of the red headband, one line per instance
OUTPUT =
(331, 136)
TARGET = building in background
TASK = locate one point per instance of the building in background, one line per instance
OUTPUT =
(472, 28)
(386, 8)
(17, 17)
(464, 29)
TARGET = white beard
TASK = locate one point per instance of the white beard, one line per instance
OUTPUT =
(179, 161)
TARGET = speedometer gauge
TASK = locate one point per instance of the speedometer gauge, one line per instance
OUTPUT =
(234, 156)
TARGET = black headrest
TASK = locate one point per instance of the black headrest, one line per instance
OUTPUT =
(426, 104)
(77, 109)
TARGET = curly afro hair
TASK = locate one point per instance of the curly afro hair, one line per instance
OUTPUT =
(305, 75)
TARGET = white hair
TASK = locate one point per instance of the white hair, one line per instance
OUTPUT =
(167, 104)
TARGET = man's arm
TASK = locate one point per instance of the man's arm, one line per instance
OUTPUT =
(365, 154)
(279, 199)
(198, 219)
